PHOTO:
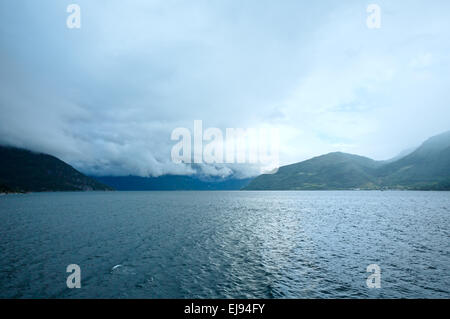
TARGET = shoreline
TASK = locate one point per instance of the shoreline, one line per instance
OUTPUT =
(235, 190)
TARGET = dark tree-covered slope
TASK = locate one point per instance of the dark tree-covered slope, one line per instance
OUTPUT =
(26, 171)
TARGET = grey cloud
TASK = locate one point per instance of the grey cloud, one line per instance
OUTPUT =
(105, 98)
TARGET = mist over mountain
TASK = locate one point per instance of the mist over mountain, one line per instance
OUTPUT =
(426, 168)
(105, 98)
(26, 171)
(401, 155)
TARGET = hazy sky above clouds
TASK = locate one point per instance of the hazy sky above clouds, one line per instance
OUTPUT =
(105, 98)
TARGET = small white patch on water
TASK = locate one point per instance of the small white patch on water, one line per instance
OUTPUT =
(116, 266)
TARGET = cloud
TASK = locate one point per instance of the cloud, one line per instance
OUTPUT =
(106, 97)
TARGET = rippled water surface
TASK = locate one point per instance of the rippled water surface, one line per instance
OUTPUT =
(225, 244)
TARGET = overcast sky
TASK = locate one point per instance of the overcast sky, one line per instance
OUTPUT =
(105, 98)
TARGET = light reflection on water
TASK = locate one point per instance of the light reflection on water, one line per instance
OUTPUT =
(225, 244)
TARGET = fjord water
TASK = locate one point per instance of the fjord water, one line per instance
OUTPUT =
(225, 244)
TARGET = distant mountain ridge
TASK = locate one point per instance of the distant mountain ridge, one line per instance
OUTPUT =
(25, 171)
(172, 183)
(426, 168)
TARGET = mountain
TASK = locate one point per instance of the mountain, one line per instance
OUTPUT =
(401, 155)
(26, 171)
(172, 182)
(331, 171)
(426, 168)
